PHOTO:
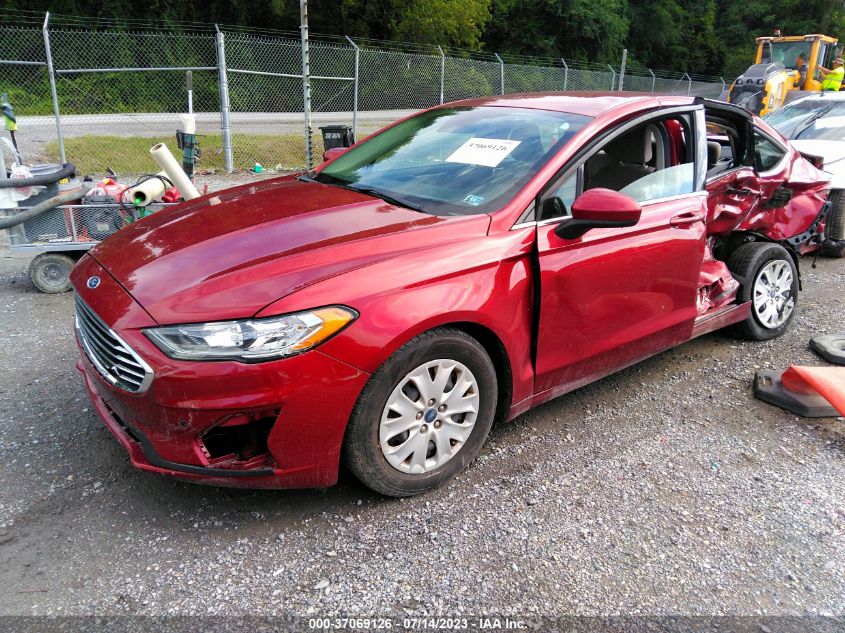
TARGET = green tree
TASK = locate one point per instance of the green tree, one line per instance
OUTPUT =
(671, 35)
(590, 30)
(457, 23)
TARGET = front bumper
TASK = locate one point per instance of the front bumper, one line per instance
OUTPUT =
(302, 405)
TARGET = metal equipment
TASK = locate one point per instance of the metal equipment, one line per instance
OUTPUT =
(785, 68)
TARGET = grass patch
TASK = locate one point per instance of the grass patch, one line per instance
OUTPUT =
(130, 155)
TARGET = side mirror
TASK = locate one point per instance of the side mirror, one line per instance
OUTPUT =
(334, 152)
(599, 208)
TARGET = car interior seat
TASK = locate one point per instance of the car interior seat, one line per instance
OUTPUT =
(715, 164)
(629, 155)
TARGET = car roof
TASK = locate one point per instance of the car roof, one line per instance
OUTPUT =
(590, 104)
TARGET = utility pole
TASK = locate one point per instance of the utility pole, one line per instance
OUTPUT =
(622, 69)
(306, 81)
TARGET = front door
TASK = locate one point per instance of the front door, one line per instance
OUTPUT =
(615, 296)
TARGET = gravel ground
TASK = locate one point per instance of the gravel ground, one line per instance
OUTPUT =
(664, 489)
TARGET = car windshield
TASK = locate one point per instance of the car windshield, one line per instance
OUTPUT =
(455, 161)
(810, 119)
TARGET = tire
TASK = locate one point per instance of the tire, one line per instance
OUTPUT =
(50, 272)
(834, 232)
(760, 265)
(376, 425)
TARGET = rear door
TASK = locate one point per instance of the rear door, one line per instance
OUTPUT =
(615, 296)
(736, 189)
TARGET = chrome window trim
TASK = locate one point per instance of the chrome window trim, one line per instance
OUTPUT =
(694, 194)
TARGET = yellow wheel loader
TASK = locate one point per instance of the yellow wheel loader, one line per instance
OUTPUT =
(786, 67)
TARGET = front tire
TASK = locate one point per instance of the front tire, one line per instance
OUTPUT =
(769, 280)
(424, 415)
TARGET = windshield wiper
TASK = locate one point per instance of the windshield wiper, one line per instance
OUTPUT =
(800, 129)
(306, 177)
(372, 191)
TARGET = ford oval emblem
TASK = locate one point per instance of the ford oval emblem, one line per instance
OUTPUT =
(93, 282)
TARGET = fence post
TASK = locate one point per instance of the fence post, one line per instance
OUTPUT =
(355, 90)
(622, 68)
(442, 72)
(223, 87)
(501, 74)
(612, 77)
(689, 83)
(565, 72)
(306, 81)
(653, 78)
(52, 75)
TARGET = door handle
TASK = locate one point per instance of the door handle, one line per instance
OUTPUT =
(686, 218)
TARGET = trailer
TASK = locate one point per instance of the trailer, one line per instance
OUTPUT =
(58, 238)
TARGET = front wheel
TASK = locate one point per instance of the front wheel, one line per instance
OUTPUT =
(50, 272)
(424, 415)
(769, 280)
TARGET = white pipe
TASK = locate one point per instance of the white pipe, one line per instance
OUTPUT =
(164, 159)
(189, 123)
(141, 195)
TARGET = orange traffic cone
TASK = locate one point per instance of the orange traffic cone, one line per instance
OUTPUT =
(791, 391)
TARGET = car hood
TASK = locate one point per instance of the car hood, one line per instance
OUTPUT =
(229, 254)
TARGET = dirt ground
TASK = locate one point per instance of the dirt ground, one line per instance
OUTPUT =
(666, 489)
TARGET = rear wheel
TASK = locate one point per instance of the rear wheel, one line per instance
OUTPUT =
(834, 231)
(424, 415)
(769, 280)
(50, 272)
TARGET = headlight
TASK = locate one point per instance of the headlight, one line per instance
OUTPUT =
(251, 340)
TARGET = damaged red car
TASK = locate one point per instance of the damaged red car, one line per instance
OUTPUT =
(457, 268)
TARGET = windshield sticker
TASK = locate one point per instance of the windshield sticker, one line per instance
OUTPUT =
(473, 200)
(488, 152)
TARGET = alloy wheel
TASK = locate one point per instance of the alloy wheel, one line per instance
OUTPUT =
(772, 296)
(429, 416)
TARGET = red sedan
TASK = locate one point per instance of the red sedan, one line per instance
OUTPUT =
(457, 268)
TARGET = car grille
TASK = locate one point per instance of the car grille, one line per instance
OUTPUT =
(113, 359)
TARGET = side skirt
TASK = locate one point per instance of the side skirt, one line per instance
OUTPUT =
(723, 317)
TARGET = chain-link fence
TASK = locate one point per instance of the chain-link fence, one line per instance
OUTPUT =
(118, 91)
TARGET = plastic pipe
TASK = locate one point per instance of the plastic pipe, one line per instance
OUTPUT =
(189, 123)
(41, 207)
(141, 195)
(164, 159)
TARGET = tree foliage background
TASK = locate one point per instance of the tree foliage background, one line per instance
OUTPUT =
(704, 36)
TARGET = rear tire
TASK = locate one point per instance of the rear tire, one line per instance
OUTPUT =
(770, 284)
(834, 232)
(441, 426)
(50, 272)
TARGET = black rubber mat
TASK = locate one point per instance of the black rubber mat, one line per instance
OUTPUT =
(768, 388)
(831, 347)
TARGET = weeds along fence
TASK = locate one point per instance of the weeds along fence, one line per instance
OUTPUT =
(100, 97)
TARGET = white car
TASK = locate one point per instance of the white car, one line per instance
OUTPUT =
(815, 126)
